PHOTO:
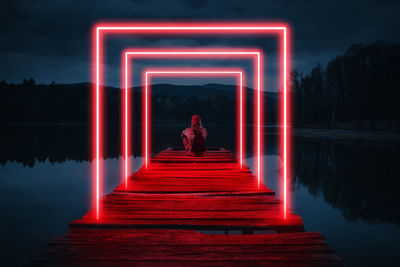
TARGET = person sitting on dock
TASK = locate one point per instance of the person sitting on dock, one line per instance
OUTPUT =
(194, 138)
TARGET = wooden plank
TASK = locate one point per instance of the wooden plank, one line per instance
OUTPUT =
(179, 156)
(185, 247)
(186, 237)
(201, 195)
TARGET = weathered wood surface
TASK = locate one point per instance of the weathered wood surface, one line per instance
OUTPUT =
(192, 192)
(121, 210)
(152, 221)
(100, 247)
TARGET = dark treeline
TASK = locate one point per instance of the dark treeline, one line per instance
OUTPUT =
(29, 102)
(360, 85)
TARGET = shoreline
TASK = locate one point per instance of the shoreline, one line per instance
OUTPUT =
(346, 134)
(336, 134)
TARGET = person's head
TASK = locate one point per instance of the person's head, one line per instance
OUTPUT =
(196, 121)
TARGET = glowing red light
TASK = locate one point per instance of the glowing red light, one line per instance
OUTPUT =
(192, 29)
(191, 72)
(131, 53)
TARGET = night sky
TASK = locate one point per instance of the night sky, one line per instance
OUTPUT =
(49, 40)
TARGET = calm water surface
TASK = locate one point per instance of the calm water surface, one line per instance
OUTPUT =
(348, 191)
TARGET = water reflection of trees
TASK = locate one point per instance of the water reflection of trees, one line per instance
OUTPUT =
(359, 179)
(38, 143)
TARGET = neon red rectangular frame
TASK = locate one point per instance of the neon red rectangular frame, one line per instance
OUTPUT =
(167, 72)
(132, 53)
(235, 28)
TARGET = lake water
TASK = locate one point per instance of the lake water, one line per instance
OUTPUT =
(348, 191)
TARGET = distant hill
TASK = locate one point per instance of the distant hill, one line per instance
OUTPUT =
(204, 91)
(188, 90)
(224, 87)
(31, 102)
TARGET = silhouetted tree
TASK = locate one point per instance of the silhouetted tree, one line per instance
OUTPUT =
(360, 85)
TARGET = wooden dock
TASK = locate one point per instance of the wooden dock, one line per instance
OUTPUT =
(170, 213)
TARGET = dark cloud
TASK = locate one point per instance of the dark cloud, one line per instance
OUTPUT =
(49, 39)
